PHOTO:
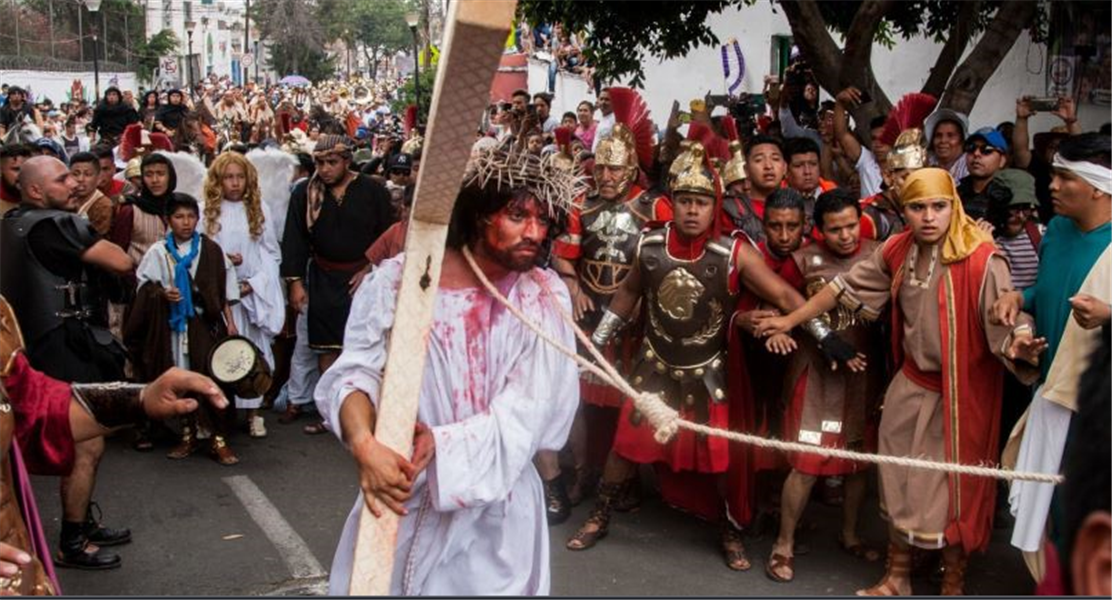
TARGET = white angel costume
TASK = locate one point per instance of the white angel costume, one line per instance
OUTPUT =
(493, 394)
(259, 315)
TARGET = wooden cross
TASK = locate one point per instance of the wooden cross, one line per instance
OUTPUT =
(475, 37)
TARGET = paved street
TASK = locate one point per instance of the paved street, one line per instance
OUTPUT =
(202, 529)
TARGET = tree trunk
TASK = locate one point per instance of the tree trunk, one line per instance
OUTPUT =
(960, 33)
(982, 62)
(835, 69)
(810, 34)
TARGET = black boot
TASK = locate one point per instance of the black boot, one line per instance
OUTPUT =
(557, 507)
(101, 535)
(73, 551)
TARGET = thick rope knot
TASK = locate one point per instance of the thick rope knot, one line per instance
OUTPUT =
(663, 418)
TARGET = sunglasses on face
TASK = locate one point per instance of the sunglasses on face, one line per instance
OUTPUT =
(984, 149)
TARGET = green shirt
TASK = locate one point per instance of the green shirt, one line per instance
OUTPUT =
(1066, 255)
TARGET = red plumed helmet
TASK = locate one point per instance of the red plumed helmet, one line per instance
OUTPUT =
(630, 110)
(131, 140)
(161, 141)
(138, 141)
(909, 112)
(714, 145)
(563, 138)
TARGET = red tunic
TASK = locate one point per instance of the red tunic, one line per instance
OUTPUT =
(41, 406)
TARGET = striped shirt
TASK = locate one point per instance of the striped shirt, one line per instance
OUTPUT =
(1022, 257)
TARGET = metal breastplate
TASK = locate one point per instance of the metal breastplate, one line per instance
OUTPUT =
(743, 217)
(819, 268)
(41, 299)
(688, 305)
(610, 234)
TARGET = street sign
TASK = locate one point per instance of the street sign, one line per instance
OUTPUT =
(247, 59)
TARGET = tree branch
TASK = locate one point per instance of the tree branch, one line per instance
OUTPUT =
(994, 45)
(960, 34)
(810, 33)
(859, 37)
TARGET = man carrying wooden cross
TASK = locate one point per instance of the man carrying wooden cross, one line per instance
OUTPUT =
(493, 393)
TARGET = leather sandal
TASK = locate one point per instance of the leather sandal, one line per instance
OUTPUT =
(733, 549)
(291, 414)
(222, 453)
(898, 564)
(186, 447)
(557, 507)
(82, 555)
(600, 517)
(314, 428)
(775, 563)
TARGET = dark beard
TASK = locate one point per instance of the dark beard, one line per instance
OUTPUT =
(507, 260)
(10, 190)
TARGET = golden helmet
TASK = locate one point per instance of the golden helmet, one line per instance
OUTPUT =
(909, 151)
(695, 177)
(134, 167)
(680, 162)
(734, 170)
(619, 149)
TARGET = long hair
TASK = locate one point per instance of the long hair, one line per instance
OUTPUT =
(252, 196)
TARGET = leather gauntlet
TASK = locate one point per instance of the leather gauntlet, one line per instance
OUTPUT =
(111, 404)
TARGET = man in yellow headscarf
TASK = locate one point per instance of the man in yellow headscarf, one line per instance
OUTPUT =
(941, 277)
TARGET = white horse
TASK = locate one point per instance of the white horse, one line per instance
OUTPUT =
(23, 131)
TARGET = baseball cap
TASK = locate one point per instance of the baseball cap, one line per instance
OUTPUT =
(1022, 185)
(401, 162)
(990, 136)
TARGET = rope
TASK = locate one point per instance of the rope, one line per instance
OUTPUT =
(666, 420)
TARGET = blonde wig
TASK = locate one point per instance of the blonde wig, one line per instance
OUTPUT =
(214, 197)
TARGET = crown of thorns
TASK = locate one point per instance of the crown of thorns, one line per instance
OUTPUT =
(551, 178)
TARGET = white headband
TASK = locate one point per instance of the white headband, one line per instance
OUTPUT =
(1097, 176)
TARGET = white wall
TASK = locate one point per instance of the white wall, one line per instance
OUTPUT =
(900, 70)
(57, 86)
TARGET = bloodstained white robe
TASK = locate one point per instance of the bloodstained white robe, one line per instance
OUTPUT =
(493, 394)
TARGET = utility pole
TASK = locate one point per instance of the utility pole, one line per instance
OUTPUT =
(104, 28)
(15, 13)
(80, 35)
(247, 36)
(51, 8)
(127, 42)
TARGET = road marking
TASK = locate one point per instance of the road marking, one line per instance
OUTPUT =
(296, 554)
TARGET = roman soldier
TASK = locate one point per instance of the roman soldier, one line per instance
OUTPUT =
(687, 274)
(594, 256)
(735, 202)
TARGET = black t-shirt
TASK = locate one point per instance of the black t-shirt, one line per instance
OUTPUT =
(8, 115)
(58, 245)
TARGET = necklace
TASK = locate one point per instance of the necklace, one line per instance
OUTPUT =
(913, 259)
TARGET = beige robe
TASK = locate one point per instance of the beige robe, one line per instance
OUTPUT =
(916, 501)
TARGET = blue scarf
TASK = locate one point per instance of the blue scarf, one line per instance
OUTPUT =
(182, 311)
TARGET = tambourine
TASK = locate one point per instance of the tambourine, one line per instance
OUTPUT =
(238, 365)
